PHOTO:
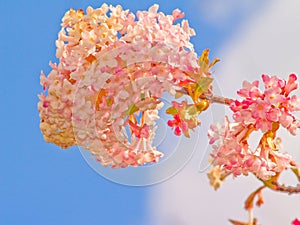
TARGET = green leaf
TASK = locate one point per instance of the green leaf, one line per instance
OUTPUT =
(202, 86)
(187, 134)
(296, 171)
(204, 83)
(143, 96)
(131, 109)
(214, 62)
(110, 101)
(205, 64)
(203, 60)
(178, 94)
(171, 110)
(192, 110)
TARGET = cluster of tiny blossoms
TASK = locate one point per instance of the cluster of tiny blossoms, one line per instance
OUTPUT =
(114, 66)
(263, 111)
(185, 118)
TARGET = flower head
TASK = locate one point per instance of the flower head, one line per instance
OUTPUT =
(259, 110)
(185, 117)
(262, 108)
(114, 65)
(231, 151)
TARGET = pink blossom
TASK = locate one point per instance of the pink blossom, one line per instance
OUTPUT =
(177, 14)
(250, 90)
(291, 84)
(176, 123)
(296, 222)
(185, 118)
(139, 131)
(272, 82)
(271, 105)
(231, 152)
(113, 65)
(273, 96)
(293, 104)
(259, 110)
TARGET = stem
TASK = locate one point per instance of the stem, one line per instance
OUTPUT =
(275, 186)
(217, 99)
(251, 219)
(210, 97)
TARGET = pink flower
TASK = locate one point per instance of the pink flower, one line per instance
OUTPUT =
(113, 66)
(231, 152)
(273, 96)
(177, 14)
(185, 118)
(259, 110)
(139, 131)
(296, 222)
(272, 82)
(250, 90)
(291, 84)
(293, 104)
(176, 123)
(262, 108)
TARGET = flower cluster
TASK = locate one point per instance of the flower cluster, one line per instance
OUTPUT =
(216, 175)
(113, 66)
(260, 110)
(185, 117)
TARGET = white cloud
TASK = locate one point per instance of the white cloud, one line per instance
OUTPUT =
(220, 12)
(268, 43)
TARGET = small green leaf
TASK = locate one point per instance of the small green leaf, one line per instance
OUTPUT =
(202, 86)
(203, 60)
(296, 171)
(204, 83)
(178, 94)
(131, 109)
(142, 96)
(110, 101)
(172, 110)
(187, 134)
(192, 110)
(205, 64)
(214, 62)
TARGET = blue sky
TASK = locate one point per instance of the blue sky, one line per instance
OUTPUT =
(40, 183)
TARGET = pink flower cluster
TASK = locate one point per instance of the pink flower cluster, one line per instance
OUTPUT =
(185, 118)
(260, 110)
(112, 66)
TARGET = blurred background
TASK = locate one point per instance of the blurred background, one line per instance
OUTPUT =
(42, 184)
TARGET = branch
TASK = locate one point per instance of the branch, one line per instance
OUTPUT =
(210, 97)
(287, 189)
(217, 99)
(275, 186)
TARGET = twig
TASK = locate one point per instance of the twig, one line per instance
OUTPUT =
(211, 97)
(282, 188)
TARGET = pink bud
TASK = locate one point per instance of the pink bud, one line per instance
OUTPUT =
(296, 222)
(177, 131)
(291, 84)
